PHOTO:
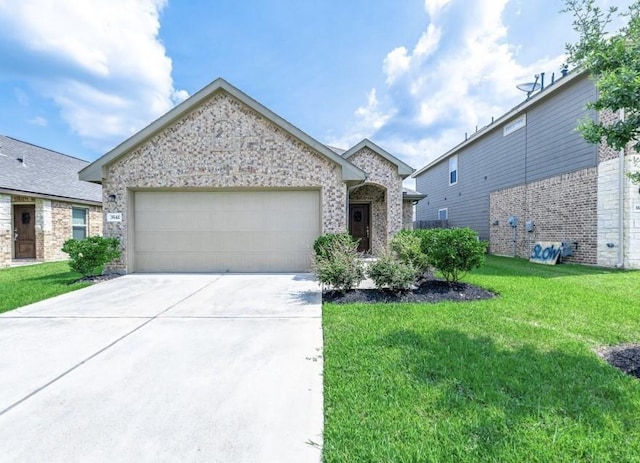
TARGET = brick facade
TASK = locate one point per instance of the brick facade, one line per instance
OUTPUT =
(407, 215)
(222, 143)
(563, 208)
(52, 226)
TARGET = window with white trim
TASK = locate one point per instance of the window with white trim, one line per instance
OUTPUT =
(79, 222)
(453, 170)
(514, 125)
(443, 214)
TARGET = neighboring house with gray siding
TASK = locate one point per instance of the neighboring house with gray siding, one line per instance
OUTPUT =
(533, 164)
(43, 203)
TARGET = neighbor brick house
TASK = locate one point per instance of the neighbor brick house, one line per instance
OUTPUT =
(532, 163)
(43, 203)
(221, 183)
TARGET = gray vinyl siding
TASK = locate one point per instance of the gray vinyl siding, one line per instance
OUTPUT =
(546, 147)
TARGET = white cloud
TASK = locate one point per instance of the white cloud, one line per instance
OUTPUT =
(460, 73)
(109, 75)
(367, 118)
(39, 121)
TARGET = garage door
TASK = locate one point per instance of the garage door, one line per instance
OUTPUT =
(225, 231)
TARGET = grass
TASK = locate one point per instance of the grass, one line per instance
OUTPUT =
(512, 379)
(32, 283)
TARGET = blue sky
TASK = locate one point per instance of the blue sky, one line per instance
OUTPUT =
(80, 77)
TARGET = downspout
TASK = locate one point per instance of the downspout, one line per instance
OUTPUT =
(621, 182)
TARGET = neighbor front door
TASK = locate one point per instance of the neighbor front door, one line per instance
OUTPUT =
(24, 231)
(359, 226)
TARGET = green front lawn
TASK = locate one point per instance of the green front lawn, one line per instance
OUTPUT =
(24, 285)
(512, 379)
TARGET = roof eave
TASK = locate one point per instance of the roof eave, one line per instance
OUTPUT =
(34, 194)
(404, 170)
(94, 171)
(502, 119)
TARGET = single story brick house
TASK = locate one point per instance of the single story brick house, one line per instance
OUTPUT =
(43, 203)
(222, 184)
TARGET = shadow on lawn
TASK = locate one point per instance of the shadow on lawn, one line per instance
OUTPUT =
(514, 267)
(63, 278)
(498, 391)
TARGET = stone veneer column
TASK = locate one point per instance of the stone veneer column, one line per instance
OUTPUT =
(43, 229)
(6, 236)
(608, 211)
(631, 216)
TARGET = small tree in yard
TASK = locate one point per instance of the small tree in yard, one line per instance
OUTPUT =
(88, 256)
(454, 251)
(407, 246)
(392, 273)
(614, 63)
(336, 262)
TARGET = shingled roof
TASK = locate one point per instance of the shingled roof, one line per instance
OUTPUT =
(31, 170)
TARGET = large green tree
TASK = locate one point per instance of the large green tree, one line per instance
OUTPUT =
(613, 60)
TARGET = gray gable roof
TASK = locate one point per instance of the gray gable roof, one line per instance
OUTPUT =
(412, 195)
(94, 171)
(31, 170)
(403, 169)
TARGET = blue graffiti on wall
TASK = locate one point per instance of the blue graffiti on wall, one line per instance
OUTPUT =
(546, 252)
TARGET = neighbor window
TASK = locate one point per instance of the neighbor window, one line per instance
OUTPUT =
(79, 223)
(443, 214)
(453, 170)
(514, 125)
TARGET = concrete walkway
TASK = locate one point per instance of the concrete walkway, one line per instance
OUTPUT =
(165, 368)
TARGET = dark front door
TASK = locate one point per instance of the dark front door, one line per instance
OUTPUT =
(359, 226)
(24, 231)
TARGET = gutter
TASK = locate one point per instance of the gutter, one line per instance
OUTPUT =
(621, 181)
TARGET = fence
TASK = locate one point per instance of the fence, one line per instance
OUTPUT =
(431, 224)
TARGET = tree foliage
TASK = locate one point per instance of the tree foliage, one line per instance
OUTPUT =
(89, 255)
(613, 60)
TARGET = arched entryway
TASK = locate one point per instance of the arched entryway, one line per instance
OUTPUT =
(367, 218)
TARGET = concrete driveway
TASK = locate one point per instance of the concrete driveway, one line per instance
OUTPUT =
(165, 368)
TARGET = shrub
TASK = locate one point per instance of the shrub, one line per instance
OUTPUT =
(407, 246)
(336, 263)
(453, 251)
(89, 255)
(387, 271)
(323, 243)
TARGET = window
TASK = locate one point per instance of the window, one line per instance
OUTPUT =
(79, 223)
(453, 170)
(443, 214)
(514, 125)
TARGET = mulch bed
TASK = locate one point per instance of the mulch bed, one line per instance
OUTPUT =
(98, 278)
(429, 291)
(624, 357)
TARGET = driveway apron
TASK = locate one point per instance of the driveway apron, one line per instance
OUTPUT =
(212, 368)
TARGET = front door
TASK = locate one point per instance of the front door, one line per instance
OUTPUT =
(359, 226)
(24, 231)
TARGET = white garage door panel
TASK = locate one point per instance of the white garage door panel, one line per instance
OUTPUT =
(236, 231)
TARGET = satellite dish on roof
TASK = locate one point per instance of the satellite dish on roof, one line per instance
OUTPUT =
(529, 87)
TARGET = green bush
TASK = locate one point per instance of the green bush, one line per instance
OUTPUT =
(323, 243)
(89, 255)
(407, 246)
(453, 251)
(336, 263)
(387, 271)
